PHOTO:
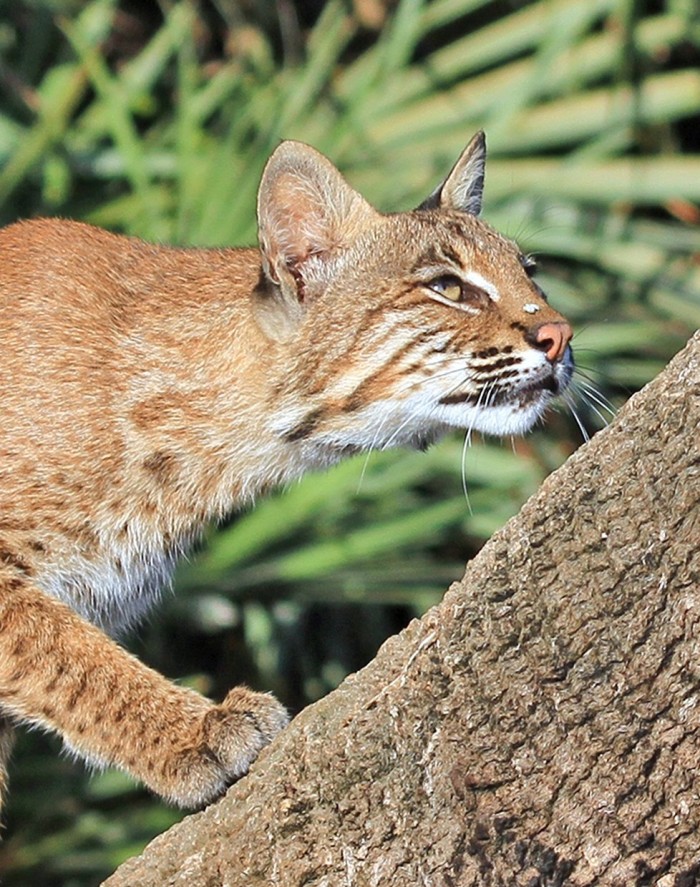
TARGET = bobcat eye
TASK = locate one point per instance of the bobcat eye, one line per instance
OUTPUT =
(448, 286)
(451, 287)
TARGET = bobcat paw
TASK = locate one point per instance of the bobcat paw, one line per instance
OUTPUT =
(229, 738)
(244, 723)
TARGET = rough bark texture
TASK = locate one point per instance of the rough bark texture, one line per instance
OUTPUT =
(540, 727)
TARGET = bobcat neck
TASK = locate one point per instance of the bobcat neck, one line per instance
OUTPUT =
(159, 401)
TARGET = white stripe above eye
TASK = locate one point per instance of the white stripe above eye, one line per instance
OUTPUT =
(484, 284)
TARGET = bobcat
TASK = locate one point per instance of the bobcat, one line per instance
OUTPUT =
(147, 390)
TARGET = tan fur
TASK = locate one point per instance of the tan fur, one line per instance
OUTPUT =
(147, 390)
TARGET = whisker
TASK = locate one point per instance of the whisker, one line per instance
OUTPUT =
(463, 466)
(583, 366)
(406, 385)
(465, 490)
(365, 463)
(387, 444)
(455, 387)
(492, 388)
(590, 396)
(598, 413)
(588, 385)
(591, 393)
(581, 369)
(412, 382)
(467, 444)
(580, 331)
(566, 397)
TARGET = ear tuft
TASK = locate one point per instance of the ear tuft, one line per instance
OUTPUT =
(464, 186)
(305, 208)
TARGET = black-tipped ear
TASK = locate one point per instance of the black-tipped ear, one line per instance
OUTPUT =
(464, 186)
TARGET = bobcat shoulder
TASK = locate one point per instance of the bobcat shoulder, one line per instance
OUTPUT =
(148, 390)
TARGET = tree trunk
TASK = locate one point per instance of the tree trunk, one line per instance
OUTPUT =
(540, 727)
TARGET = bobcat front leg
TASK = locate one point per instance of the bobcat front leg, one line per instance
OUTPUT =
(60, 672)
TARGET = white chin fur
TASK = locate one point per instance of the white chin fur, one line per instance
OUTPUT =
(500, 420)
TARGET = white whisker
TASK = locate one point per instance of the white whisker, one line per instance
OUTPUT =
(591, 393)
(372, 446)
(572, 409)
(468, 443)
(465, 447)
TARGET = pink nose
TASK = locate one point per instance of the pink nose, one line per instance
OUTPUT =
(552, 338)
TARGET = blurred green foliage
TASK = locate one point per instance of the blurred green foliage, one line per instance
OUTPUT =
(156, 119)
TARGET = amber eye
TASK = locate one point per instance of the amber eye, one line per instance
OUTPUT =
(452, 288)
(449, 286)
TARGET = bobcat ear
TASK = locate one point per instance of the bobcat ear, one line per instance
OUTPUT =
(305, 209)
(463, 188)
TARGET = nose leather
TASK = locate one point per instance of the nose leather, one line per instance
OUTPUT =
(552, 338)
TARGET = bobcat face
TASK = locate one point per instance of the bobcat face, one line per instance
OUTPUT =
(436, 322)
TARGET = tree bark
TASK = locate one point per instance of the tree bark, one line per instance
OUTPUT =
(540, 727)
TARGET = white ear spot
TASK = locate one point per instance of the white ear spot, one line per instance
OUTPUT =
(531, 308)
(482, 283)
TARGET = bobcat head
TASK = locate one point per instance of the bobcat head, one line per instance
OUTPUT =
(401, 325)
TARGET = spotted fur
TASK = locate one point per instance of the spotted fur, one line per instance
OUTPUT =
(148, 390)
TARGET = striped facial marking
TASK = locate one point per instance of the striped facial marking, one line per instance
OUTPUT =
(450, 341)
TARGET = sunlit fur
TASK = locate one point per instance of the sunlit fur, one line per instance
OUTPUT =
(147, 390)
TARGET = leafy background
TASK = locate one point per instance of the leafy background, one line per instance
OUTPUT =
(156, 119)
